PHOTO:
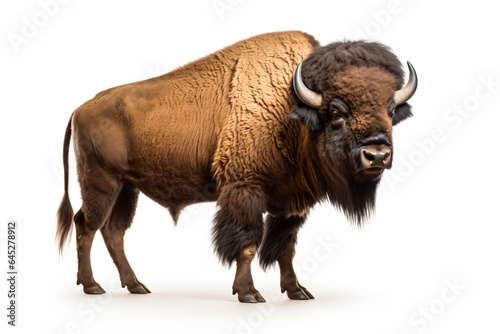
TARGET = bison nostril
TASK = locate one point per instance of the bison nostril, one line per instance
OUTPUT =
(369, 156)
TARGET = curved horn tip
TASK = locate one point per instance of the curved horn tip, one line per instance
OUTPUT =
(412, 70)
(405, 93)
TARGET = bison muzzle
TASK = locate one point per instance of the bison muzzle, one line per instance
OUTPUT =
(272, 124)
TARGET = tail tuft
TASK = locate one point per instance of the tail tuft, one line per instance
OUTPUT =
(64, 222)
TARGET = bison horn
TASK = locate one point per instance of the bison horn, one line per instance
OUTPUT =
(306, 95)
(404, 94)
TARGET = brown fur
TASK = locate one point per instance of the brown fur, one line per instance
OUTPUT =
(219, 129)
(365, 89)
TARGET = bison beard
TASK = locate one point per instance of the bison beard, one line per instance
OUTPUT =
(233, 119)
(358, 200)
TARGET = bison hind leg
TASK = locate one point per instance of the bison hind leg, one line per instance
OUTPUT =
(99, 193)
(113, 233)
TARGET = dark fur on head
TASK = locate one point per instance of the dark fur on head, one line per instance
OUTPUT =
(324, 62)
(336, 57)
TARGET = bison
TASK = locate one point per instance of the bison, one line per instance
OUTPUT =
(272, 124)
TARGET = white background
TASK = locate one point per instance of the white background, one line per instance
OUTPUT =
(436, 223)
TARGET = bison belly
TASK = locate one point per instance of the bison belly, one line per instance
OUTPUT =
(171, 154)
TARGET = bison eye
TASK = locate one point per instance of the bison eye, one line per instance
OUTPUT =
(338, 109)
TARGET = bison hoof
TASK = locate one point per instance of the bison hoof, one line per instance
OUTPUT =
(299, 295)
(259, 297)
(137, 287)
(94, 289)
(298, 292)
(250, 297)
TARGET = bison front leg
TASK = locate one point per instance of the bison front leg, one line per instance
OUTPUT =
(243, 281)
(289, 281)
(237, 234)
(279, 242)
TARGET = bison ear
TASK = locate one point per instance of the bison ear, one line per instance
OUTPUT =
(306, 116)
(401, 113)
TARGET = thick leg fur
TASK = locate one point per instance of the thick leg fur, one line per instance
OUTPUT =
(279, 234)
(238, 223)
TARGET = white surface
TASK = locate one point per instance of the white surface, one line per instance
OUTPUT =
(437, 218)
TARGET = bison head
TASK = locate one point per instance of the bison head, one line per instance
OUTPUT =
(350, 94)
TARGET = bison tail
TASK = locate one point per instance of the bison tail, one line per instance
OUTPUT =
(65, 211)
